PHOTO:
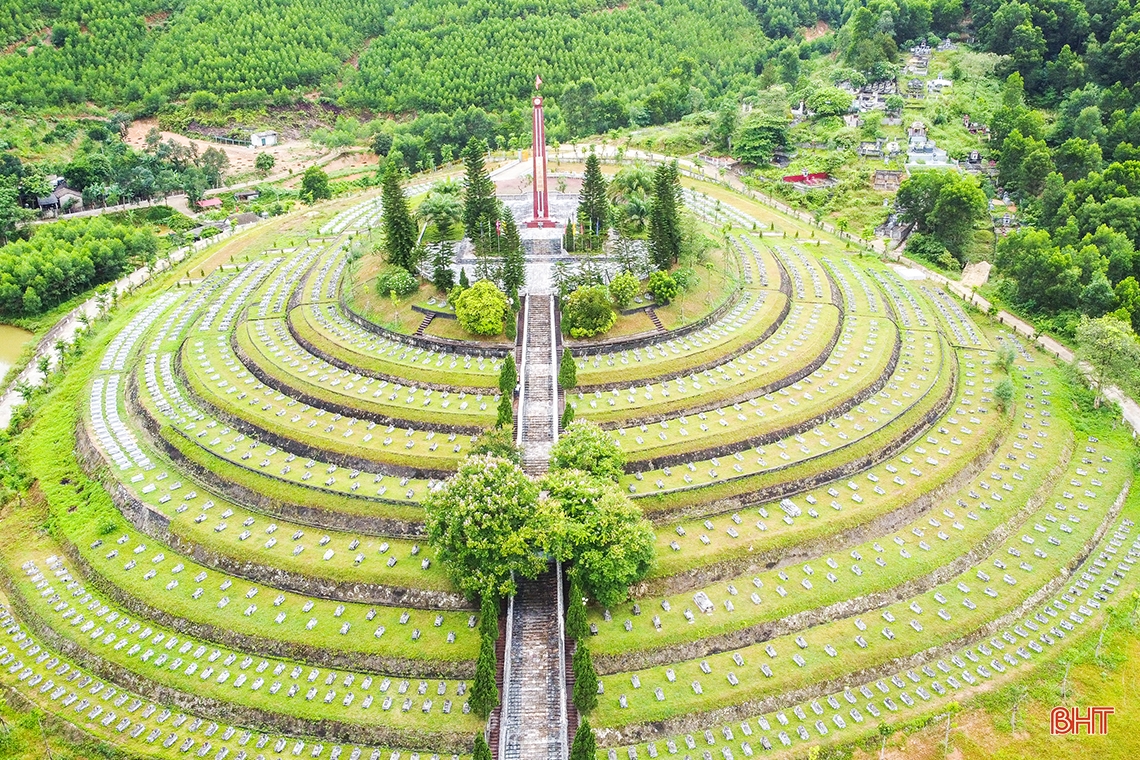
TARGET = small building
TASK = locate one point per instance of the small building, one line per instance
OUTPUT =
(248, 217)
(243, 196)
(209, 203)
(70, 200)
(263, 139)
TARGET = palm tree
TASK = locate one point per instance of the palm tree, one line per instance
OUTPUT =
(635, 212)
(444, 210)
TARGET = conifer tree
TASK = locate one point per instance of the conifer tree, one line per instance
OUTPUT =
(484, 692)
(463, 281)
(481, 751)
(585, 679)
(593, 204)
(568, 238)
(514, 261)
(399, 228)
(576, 608)
(567, 416)
(508, 374)
(479, 204)
(664, 218)
(442, 275)
(506, 411)
(488, 618)
(567, 371)
(584, 746)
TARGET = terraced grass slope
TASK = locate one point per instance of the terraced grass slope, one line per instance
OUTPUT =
(850, 528)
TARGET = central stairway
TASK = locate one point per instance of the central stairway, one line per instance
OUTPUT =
(538, 402)
(534, 709)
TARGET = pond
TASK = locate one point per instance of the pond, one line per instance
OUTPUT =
(12, 342)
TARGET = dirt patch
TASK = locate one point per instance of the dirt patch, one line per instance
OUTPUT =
(815, 32)
(293, 156)
(31, 39)
(155, 19)
(977, 274)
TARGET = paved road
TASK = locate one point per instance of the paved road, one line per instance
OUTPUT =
(66, 328)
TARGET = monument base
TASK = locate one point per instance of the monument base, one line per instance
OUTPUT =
(540, 223)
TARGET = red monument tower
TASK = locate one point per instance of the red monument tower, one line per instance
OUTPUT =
(541, 216)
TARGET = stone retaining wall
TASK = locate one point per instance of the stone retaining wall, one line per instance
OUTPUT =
(693, 722)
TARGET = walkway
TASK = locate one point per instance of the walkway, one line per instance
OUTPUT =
(538, 407)
(534, 706)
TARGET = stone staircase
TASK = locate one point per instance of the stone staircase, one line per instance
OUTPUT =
(655, 319)
(424, 324)
(538, 409)
(534, 706)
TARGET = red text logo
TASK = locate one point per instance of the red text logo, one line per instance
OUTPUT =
(1070, 720)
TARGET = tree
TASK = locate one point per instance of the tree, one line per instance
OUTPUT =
(567, 417)
(214, 162)
(32, 302)
(623, 289)
(481, 308)
(481, 751)
(585, 446)
(1045, 276)
(315, 185)
(508, 375)
(611, 545)
(442, 275)
(567, 371)
(506, 411)
(758, 138)
(585, 746)
(11, 212)
(724, 125)
(498, 442)
(487, 522)
(665, 218)
(1003, 392)
(479, 205)
(264, 163)
(400, 231)
(593, 202)
(576, 627)
(944, 205)
(585, 679)
(829, 101)
(489, 618)
(513, 257)
(663, 288)
(443, 210)
(1098, 298)
(588, 312)
(463, 283)
(484, 691)
(1109, 347)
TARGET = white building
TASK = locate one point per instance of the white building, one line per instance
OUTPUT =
(263, 139)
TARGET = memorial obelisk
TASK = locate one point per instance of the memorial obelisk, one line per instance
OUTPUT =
(541, 201)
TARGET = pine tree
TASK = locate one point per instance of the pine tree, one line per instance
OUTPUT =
(567, 416)
(584, 746)
(585, 679)
(506, 411)
(481, 751)
(479, 204)
(593, 204)
(488, 618)
(484, 692)
(567, 371)
(508, 375)
(664, 218)
(576, 607)
(442, 275)
(569, 237)
(514, 261)
(399, 228)
(463, 281)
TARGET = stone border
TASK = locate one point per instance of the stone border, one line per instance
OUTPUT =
(646, 732)
(790, 488)
(339, 363)
(263, 719)
(804, 619)
(155, 524)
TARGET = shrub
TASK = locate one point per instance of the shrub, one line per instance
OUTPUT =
(663, 287)
(567, 371)
(396, 280)
(481, 308)
(508, 374)
(576, 627)
(585, 446)
(623, 288)
(567, 416)
(588, 311)
(506, 412)
(499, 442)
